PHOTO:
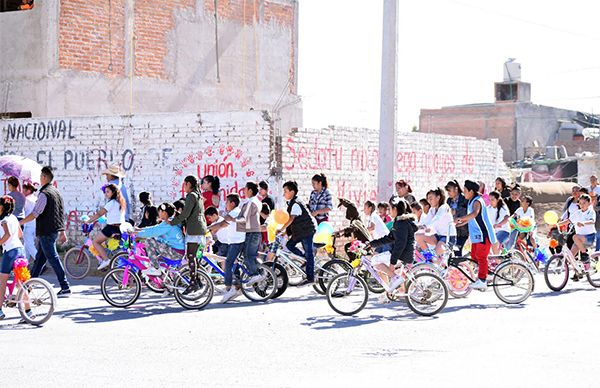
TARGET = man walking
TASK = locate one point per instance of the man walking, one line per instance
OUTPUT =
(50, 225)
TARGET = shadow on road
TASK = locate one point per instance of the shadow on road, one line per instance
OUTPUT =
(556, 293)
(480, 306)
(326, 322)
(12, 324)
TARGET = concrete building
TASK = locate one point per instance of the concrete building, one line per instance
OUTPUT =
(512, 118)
(113, 57)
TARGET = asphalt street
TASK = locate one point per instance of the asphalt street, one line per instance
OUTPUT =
(298, 341)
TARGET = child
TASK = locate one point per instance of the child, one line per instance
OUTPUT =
(402, 240)
(375, 225)
(498, 213)
(114, 210)
(417, 210)
(163, 239)
(425, 205)
(10, 234)
(584, 221)
(301, 228)
(481, 232)
(525, 211)
(148, 211)
(383, 209)
(232, 243)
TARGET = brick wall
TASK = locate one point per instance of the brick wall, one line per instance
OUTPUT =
(156, 151)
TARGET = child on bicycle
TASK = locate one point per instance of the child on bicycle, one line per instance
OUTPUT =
(481, 232)
(402, 241)
(584, 220)
(525, 211)
(162, 239)
(10, 238)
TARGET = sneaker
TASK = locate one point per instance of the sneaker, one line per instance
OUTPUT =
(231, 294)
(383, 298)
(103, 264)
(2, 315)
(64, 293)
(153, 271)
(396, 282)
(256, 279)
(478, 285)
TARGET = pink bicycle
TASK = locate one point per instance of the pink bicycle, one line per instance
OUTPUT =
(33, 297)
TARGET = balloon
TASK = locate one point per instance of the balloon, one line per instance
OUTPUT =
(271, 232)
(281, 216)
(321, 238)
(551, 217)
(325, 228)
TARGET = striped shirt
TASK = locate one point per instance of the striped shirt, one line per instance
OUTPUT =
(320, 200)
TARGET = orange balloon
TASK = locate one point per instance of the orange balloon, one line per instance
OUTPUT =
(281, 216)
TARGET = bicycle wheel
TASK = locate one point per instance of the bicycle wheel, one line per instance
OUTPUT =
(155, 283)
(77, 262)
(330, 270)
(114, 260)
(198, 299)
(295, 276)
(262, 290)
(372, 283)
(556, 272)
(282, 278)
(458, 283)
(121, 287)
(424, 267)
(427, 294)
(513, 282)
(593, 273)
(37, 296)
(347, 294)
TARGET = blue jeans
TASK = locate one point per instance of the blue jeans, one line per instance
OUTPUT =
(231, 252)
(598, 240)
(251, 246)
(9, 257)
(307, 245)
(47, 252)
(502, 236)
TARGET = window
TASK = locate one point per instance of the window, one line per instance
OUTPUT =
(15, 5)
(15, 115)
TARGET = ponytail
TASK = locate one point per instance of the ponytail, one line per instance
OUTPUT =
(322, 179)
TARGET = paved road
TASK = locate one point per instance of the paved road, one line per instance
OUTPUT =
(297, 341)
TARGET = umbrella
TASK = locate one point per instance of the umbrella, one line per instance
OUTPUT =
(25, 169)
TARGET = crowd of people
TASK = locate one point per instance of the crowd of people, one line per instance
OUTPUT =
(452, 215)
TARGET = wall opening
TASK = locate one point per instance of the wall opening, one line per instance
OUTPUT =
(16, 5)
(15, 115)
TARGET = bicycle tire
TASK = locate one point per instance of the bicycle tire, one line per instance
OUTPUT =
(263, 290)
(77, 262)
(196, 300)
(282, 278)
(47, 297)
(515, 272)
(329, 271)
(295, 277)
(114, 260)
(557, 265)
(593, 275)
(419, 293)
(337, 289)
(134, 284)
(152, 286)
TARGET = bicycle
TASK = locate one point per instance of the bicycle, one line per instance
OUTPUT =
(426, 293)
(33, 294)
(78, 260)
(256, 292)
(122, 285)
(556, 272)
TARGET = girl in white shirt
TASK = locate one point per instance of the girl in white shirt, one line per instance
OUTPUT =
(10, 234)
(584, 221)
(525, 211)
(115, 216)
(499, 216)
(439, 224)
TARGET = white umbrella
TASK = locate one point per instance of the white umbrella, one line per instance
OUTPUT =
(25, 169)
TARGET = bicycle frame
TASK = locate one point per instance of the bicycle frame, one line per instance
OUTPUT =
(365, 262)
(236, 265)
(453, 262)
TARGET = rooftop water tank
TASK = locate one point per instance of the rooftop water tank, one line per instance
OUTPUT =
(512, 71)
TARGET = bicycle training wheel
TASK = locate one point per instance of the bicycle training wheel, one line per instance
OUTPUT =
(427, 294)
(39, 298)
(556, 272)
(513, 282)
(197, 299)
(262, 290)
(77, 262)
(347, 294)
(121, 287)
(330, 270)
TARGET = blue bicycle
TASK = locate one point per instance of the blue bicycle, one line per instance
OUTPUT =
(256, 292)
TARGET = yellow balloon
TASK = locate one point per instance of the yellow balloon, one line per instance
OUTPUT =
(551, 217)
(271, 232)
(321, 238)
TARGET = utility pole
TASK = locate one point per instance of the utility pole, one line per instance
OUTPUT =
(387, 115)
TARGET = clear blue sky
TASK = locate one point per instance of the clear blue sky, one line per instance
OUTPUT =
(450, 52)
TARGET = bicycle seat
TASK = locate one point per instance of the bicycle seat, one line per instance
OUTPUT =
(171, 263)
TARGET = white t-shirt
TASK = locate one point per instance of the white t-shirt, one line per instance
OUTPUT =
(497, 218)
(441, 221)
(529, 213)
(229, 234)
(13, 227)
(573, 208)
(380, 229)
(113, 213)
(584, 216)
(30, 201)
(296, 210)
